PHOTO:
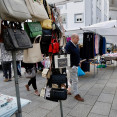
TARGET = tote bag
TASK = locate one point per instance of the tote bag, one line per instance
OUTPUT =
(14, 10)
(36, 10)
(33, 55)
(80, 72)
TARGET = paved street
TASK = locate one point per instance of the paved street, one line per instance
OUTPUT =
(99, 92)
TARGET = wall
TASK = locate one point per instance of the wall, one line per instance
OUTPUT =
(88, 12)
(113, 15)
(91, 9)
(71, 9)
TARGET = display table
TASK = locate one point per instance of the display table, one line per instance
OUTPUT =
(112, 56)
(8, 105)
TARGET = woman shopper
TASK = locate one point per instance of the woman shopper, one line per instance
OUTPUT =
(30, 67)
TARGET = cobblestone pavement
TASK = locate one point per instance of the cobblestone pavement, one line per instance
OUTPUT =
(99, 92)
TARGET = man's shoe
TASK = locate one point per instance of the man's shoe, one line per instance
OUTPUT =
(6, 80)
(79, 98)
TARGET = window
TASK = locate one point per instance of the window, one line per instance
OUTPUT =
(78, 18)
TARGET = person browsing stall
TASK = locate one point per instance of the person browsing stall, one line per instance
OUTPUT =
(73, 49)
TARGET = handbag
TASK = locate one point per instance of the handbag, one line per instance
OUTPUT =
(33, 29)
(59, 79)
(16, 39)
(54, 45)
(37, 10)
(30, 73)
(58, 94)
(80, 72)
(33, 55)
(62, 61)
(47, 32)
(47, 94)
(46, 73)
(14, 10)
(46, 24)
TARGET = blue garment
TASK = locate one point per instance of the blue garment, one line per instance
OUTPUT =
(74, 52)
(104, 46)
(94, 46)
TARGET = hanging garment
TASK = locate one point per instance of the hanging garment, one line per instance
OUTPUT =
(82, 53)
(88, 45)
(101, 45)
(104, 46)
(68, 39)
(85, 66)
(96, 44)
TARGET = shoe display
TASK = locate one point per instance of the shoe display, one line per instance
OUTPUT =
(79, 98)
(6, 80)
(27, 87)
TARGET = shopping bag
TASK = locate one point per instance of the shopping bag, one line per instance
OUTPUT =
(33, 55)
(80, 72)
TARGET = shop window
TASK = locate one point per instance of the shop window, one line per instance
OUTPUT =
(78, 18)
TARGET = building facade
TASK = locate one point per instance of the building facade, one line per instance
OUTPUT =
(113, 9)
(79, 13)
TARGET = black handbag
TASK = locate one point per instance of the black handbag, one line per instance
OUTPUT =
(58, 94)
(16, 39)
(59, 79)
(45, 42)
(47, 32)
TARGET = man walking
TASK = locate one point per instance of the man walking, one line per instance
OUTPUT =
(73, 49)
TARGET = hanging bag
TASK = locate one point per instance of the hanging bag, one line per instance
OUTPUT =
(58, 94)
(37, 10)
(46, 24)
(14, 10)
(16, 39)
(54, 45)
(33, 55)
(33, 29)
(46, 73)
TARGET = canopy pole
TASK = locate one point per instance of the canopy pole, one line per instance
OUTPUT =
(19, 111)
